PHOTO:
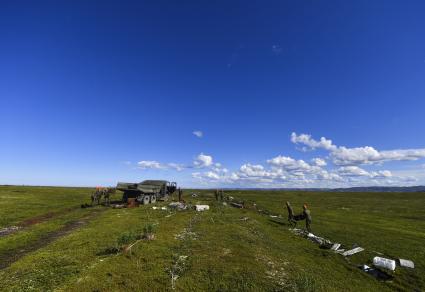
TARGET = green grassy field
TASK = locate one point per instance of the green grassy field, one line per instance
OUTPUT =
(63, 247)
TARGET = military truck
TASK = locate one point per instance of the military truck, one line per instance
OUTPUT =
(147, 191)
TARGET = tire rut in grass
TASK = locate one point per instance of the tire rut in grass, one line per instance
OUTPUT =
(34, 220)
(10, 257)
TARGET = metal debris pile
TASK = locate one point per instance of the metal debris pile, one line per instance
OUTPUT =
(378, 262)
(179, 206)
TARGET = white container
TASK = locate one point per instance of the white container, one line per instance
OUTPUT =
(202, 207)
(384, 263)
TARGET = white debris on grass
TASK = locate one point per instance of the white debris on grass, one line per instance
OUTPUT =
(159, 208)
(201, 207)
(407, 263)
(384, 263)
(335, 246)
(9, 230)
(353, 251)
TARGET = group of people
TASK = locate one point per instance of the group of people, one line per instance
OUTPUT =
(305, 215)
(101, 192)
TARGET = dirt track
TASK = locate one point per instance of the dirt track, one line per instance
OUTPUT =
(12, 256)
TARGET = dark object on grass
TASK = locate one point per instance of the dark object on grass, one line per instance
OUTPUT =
(376, 273)
(236, 205)
(86, 206)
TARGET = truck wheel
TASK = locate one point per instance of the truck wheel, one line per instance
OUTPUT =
(124, 198)
(146, 200)
(153, 199)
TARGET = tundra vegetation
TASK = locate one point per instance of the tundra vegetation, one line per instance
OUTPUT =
(59, 246)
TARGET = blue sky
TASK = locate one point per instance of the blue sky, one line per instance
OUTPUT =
(95, 92)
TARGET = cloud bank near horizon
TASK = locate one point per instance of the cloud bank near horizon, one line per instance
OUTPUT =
(339, 166)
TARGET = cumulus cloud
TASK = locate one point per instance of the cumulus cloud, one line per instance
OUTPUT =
(352, 171)
(289, 163)
(345, 156)
(203, 160)
(357, 171)
(313, 144)
(152, 164)
(342, 167)
(149, 164)
(319, 162)
(198, 133)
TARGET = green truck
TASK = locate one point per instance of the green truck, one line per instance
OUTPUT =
(147, 191)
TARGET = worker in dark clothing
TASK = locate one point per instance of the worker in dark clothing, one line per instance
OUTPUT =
(291, 219)
(216, 195)
(305, 215)
(180, 194)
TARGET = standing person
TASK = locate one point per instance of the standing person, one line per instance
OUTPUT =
(180, 194)
(291, 219)
(221, 195)
(216, 195)
(307, 216)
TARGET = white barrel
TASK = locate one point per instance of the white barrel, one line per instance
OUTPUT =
(384, 263)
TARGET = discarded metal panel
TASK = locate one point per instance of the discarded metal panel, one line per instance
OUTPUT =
(335, 246)
(406, 264)
(353, 251)
(384, 263)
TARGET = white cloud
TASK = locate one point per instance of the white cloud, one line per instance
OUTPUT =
(203, 160)
(344, 156)
(319, 162)
(176, 166)
(357, 171)
(152, 164)
(313, 144)
(352, 171)
(149, 164)
(381, 174)
(344, 167)
(198, 133)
